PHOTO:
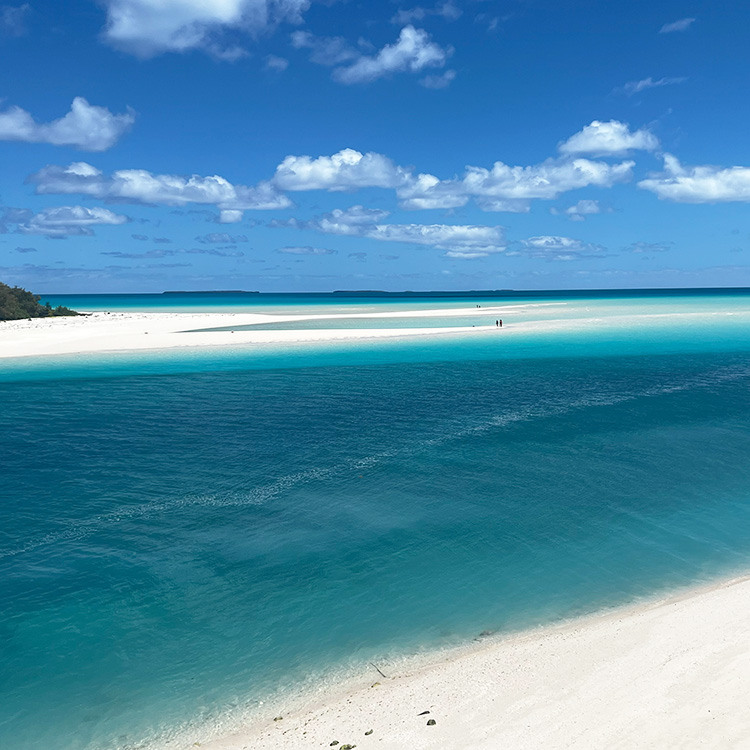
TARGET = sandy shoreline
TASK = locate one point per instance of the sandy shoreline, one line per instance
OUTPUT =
(143, 331)
(670, 673)
(132, 331)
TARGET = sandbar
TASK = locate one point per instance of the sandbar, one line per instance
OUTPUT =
(136, 331)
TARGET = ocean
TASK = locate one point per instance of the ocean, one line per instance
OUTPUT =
(186, 534)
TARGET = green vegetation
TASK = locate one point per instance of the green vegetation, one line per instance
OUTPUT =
(17, 303)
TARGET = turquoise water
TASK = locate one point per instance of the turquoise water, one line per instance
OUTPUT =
(182, 534)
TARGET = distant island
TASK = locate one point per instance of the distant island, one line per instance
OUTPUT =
(17, 303)
(212, 291)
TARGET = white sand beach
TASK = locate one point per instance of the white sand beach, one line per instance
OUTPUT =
(673, 673)
(135, 331)
(101, 331)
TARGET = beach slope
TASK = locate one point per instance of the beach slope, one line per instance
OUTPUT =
(670, 674)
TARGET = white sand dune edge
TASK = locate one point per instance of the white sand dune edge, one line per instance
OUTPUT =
(667, 674)
(102, 332)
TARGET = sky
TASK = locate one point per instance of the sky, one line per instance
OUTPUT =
(303, 145)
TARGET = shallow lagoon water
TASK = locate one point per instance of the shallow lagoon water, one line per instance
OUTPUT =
(184, 533)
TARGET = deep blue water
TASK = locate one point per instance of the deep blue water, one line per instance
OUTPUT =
(182, 534)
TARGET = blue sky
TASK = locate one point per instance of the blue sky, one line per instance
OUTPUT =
(293, 145)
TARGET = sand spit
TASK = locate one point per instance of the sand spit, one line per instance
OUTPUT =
(105, 332)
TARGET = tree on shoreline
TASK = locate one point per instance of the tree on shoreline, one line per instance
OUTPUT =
(17, 303)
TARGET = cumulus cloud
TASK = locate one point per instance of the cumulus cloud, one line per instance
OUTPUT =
(412, 52)
(62, 221)
(306, 250)
(85, 127)
(345, 170)
(13, 19)
(611, 138)
(682, 25)
(141, 186)
(702, 184)
(635, 87)
(149, 27)
(506, 188)
(234, 215)
(501, 188)
(560, 248)
(458, 240)
(583, 208)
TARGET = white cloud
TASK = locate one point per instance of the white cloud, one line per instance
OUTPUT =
(502, 188)
(635, 87)
(458, 240)
(702, 184)
(582, 209)
(62, 221)
(13, 19)
(306, 250)
(345, 170)
(149, 27)
(555, 248)
(328, 51)
(355, 221)
(506, 188)
(446, 10)
(85, 127)
(425, 191)
(276, 63)
(412, 52)
(682, 25)
(141, 186)
(438, 81)
(611, 138)
(230, 216)
(649, 247)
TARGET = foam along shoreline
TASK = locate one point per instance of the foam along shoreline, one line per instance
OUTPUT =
(660, 674)
(103, 331)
